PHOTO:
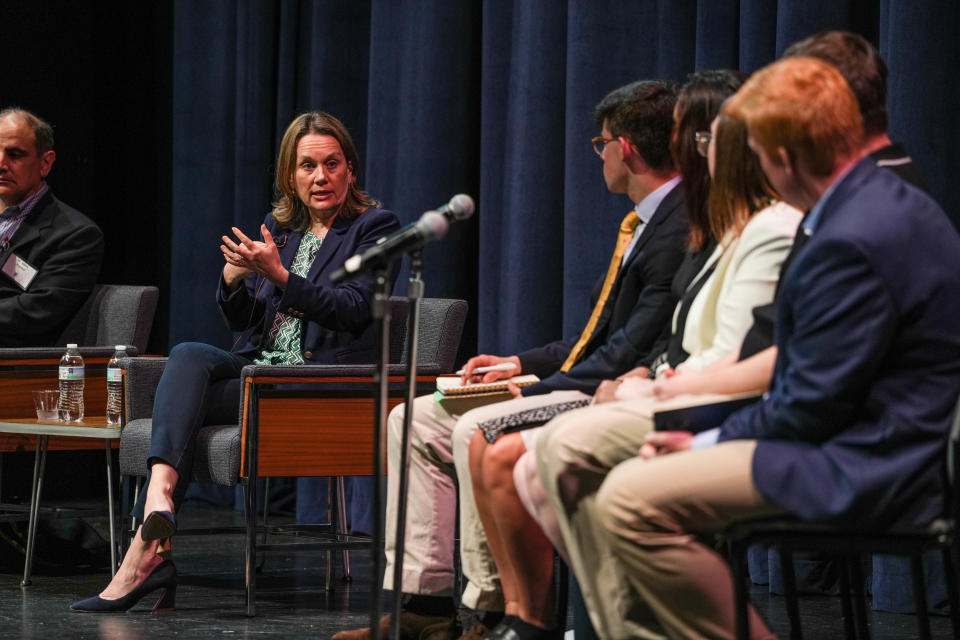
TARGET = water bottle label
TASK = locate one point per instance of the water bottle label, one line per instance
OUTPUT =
(114, 375)
(71, 373)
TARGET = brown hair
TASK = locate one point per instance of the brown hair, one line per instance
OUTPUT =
(288, 209)
(739, 188)
(642, 112)
(805, 106)
(698, 102)
(860, 65)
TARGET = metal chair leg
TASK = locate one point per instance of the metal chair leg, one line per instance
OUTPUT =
(790, 592)
(342, 524)
(950, 568)
(741, 604)
(332, 511)
(39, 464)
(846, 601)
(250, 515)
(859, 598)
(262, 557)
(113, 516)
(920, 595)
(124, 508)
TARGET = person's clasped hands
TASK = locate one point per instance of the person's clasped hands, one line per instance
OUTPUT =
(245, 256)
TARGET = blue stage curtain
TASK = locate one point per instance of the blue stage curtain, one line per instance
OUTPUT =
(494, 99)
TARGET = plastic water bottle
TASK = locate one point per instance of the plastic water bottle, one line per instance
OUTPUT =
(115, 385)
(71, 385)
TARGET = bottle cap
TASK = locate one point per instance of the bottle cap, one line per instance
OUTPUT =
(72, 345)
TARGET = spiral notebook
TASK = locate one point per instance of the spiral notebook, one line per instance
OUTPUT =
(450, 387)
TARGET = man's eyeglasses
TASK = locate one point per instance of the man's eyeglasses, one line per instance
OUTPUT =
(703, 140)
(600, 143)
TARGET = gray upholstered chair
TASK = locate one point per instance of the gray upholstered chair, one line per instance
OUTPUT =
(310, 420)
(112, 315)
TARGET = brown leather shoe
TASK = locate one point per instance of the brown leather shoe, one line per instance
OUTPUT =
(478, 631)
(413, 626)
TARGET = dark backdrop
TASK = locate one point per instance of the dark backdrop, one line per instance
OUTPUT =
(169, 114)
(100, 73)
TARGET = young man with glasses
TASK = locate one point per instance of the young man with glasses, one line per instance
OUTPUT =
(631, 304)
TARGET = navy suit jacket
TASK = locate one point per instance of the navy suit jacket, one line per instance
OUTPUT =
(66, 247)
(636, 312)
(868, 366)
(335, 319)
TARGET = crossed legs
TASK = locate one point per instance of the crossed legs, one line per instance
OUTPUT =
(200, 384)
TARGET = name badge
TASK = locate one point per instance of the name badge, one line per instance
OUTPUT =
(19, 270)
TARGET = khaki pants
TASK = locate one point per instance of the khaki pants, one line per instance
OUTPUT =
(628, 533)
(440, 434)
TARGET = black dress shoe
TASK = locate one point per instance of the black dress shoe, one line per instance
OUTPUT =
(413, 626)
(164, 576)
(517, 629)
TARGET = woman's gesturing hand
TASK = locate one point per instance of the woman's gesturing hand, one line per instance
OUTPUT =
(245, 256)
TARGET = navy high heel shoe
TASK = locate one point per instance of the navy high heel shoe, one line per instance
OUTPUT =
(158, 525)
(164, 576)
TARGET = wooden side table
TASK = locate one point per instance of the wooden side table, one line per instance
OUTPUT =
(91, 427)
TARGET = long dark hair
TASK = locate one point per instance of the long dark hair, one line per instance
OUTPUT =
(698, 103)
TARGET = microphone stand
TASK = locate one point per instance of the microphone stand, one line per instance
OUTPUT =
(414, 296)
(381, 316)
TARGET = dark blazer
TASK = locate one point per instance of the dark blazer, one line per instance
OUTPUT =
(868, 366)
(335, 319)
(66, 248)
(634, 316)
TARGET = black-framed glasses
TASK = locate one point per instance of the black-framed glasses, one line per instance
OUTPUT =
(600, 143)
(703, 140)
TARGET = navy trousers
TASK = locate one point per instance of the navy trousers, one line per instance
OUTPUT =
(200, 385)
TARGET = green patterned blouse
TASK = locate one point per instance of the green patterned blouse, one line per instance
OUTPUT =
(282, 345)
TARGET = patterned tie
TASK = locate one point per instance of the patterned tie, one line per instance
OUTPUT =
(627, 227)
(8, 218)
(528, 419)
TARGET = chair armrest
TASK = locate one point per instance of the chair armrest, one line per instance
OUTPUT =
(329, 371)
(140, 385)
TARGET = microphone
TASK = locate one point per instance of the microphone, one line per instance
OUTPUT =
(460, 207)
(431, 226)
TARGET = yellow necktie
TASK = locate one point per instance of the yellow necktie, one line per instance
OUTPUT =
(627, 227)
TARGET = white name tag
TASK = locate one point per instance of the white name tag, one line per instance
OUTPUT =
(19, 270)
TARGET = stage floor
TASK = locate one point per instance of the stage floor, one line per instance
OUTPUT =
(291, 601)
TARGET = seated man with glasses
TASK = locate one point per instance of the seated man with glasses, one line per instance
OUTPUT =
(631, 304)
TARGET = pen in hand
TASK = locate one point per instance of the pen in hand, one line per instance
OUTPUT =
(503, 366)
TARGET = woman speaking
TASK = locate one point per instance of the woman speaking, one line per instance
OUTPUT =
(276, 293)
